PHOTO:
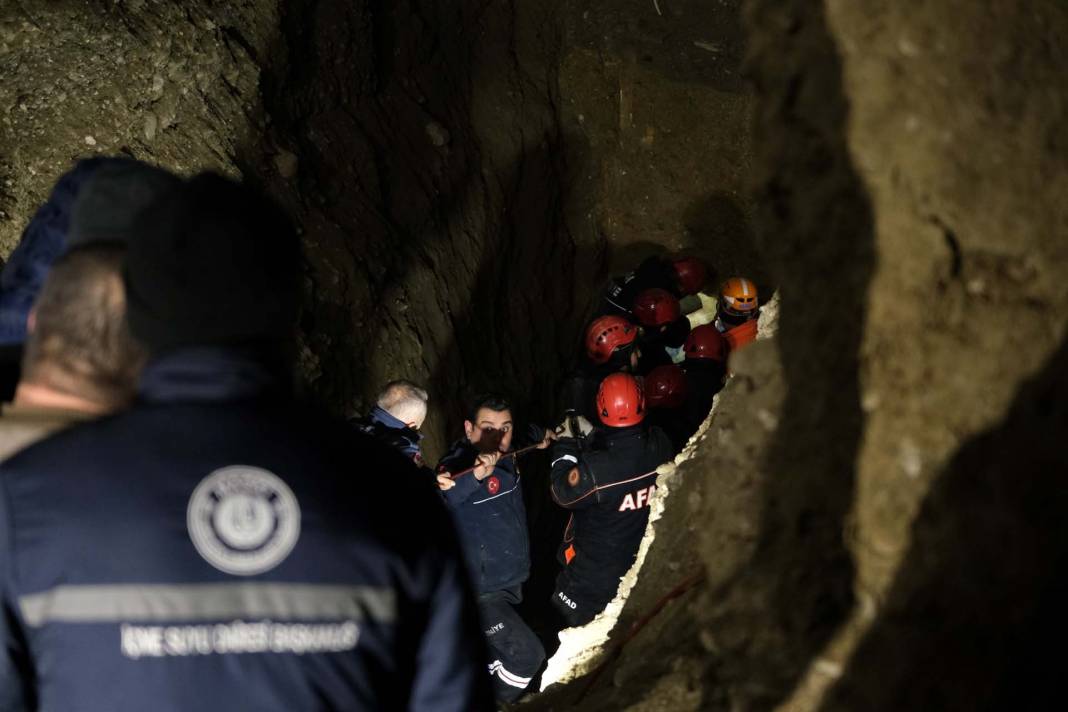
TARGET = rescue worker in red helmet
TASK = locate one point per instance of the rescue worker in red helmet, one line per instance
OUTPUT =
(664, 328)
(679, 275)
(706, 371)
(607, 487)
(612, 342)
(611, 346)
(738, 311)
(690, 274)
(666, 395)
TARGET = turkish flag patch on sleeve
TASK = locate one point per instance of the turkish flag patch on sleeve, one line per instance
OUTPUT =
(493, 484)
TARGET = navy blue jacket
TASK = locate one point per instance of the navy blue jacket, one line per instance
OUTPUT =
(492, 520)
(217, 548)
(385, 428)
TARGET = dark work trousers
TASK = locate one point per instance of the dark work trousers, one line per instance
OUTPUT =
(515, 653)
(577, 604)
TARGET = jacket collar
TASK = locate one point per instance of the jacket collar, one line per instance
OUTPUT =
(627, 433)
(210, 374)
(385, 418)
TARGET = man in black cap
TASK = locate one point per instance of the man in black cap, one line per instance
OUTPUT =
(80, 361)
(217, 546)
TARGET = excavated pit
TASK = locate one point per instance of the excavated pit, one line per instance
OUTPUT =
(871, 519)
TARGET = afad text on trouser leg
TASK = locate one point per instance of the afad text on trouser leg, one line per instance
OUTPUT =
(574, 613)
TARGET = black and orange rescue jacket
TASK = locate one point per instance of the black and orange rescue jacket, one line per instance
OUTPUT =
(607, 488)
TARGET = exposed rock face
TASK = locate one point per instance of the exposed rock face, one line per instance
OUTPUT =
(873, 516)
(958, 127)
(175, 83)
(655, 93)
(419, 146)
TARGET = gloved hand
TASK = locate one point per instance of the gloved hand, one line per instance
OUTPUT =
(574, 426)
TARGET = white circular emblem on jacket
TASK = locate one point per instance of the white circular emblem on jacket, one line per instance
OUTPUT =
(243, 520)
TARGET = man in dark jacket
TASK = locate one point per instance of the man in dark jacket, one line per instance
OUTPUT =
(487, 504)
(398, 414)
(218, 547)
(607, 488)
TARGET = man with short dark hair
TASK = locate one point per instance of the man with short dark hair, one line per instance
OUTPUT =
(214, 547)
(398, 414)
(487, 504)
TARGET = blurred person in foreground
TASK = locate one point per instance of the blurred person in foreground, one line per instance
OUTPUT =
(218, 546)
(79, 360)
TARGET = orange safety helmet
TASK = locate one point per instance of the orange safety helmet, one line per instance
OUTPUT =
(620, 401)
(705, 342)
(607, 334)
(691, 274)
(665, 387)
(738, 298)
(655, 307)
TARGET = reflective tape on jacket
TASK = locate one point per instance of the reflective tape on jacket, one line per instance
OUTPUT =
(104, 603)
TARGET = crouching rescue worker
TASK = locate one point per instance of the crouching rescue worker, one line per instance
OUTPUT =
(611, 346)
(680, 276)
(664, 328)
(487, 503)
(706, 371)
(738, 311)
(217, 546)
(399, 412)
(666, 394)
(607, 488)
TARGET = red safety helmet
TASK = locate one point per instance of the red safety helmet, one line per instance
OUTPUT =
(705, 342)
(665, 387)
(607, 334)
(691, 274)
(654, 307)
(620, 401)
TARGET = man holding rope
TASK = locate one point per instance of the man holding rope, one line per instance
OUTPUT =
(480, 481)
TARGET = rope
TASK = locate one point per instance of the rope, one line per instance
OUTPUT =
(513, 453)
